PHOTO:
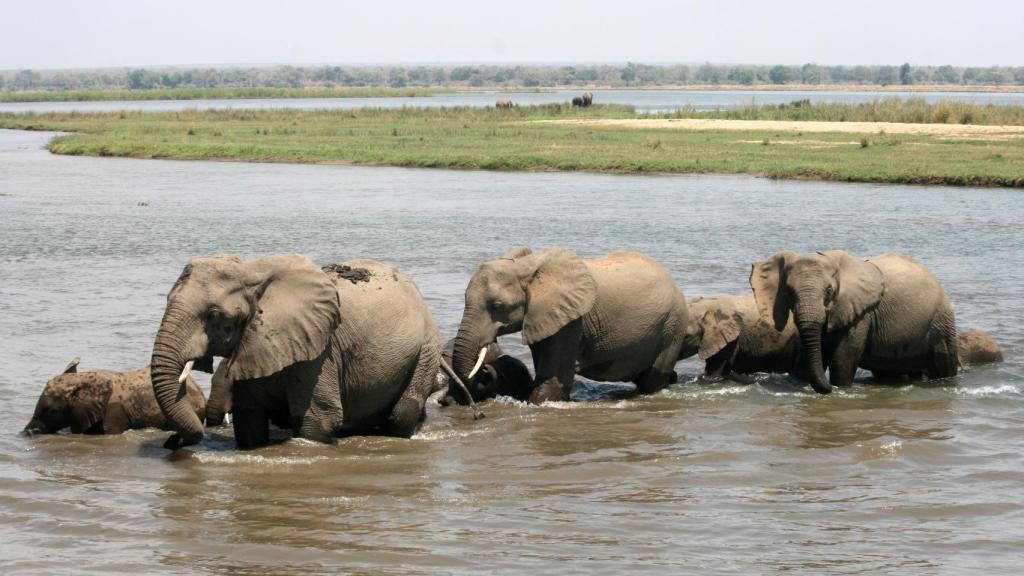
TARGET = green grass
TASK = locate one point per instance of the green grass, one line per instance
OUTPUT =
(893, 109)
(478, 138)
(213, 94)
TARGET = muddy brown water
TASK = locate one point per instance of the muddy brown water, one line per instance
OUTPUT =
(701, 478)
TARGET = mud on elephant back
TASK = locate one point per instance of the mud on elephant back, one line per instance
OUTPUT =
(343, 353)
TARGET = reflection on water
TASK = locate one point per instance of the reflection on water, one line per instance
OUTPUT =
(707, 476)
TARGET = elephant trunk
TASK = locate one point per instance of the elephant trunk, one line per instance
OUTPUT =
(171, 351)
(810, 337)
(221, 397)
(469, 341)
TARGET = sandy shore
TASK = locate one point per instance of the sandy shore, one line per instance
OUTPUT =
(958, 130)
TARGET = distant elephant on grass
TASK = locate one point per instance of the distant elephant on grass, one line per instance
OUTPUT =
(887, 314)
(729, 334)
(501, 375)
(104, 402)
(977, 347)
(616, 318)
(578, 101)
(588, 99)
(504, 103)
(349, 349)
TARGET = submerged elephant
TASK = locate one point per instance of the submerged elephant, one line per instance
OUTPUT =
(887, 314)
(104, 402)
(501, 375)
(729, 334)
(504, 103)
(348, 348)
(616, 318)
(977, 347)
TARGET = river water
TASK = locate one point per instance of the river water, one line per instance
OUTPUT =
(642, 100)
(703, 477)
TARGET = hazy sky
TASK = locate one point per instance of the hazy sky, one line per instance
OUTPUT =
(97, 33)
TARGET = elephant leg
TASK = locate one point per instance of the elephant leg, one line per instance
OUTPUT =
(252, 428)
(409, 411)
(660, 374)
(314, 397)
(846, 354)
(943, 361)
(554, 363)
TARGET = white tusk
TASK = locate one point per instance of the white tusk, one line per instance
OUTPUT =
(479, 363)
(185, 371)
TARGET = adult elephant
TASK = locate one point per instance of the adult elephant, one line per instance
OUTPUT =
(729, 334)
(504, 103)
(348, 349)
(588, 98)
(616, 318)
(577, 101)
(887, 314)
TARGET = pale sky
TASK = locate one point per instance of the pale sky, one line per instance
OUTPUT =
(97, 33)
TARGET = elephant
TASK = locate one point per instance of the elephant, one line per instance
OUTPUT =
(219, 404)
(616, 318)
(504, 103)
(588, 99)
(578, 101)
(500, 375)
(887, 314)
(729, 334)
(977, 347)
(104, 402)
(348, 349)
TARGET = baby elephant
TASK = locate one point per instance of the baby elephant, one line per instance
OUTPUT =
(103, 402)
(728, 333)
(977, 347)
(501, 375)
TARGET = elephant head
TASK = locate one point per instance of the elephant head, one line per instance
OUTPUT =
(502, 376)
(712, 326)
(53, 409)
(826, 292)
(262, 315)
(536, 293)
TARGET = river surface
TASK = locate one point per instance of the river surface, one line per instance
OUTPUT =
(642, 100)
(705, 477)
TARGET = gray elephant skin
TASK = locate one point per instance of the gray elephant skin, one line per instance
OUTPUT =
(617, 318)
(730, 335)
(104, 402)
(348, 349)
(887, 314)
(504, 103)
(219, 404)
(501, 375)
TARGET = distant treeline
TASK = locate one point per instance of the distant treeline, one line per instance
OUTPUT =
(631, 74)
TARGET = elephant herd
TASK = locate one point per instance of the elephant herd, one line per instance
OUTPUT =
(350, 349)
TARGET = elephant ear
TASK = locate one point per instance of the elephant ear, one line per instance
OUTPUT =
(89, 406)
(296, 311)
(720, 329)
(72, 367)
(768, 280)
(560, 291)
(517, 253)
(861, 286)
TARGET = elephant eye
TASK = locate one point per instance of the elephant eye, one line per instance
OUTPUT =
(829, 294)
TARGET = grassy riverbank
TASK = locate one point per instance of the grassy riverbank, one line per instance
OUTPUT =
(213, 94)
(478, 138)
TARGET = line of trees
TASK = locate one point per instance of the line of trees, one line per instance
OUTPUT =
(631, 74)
